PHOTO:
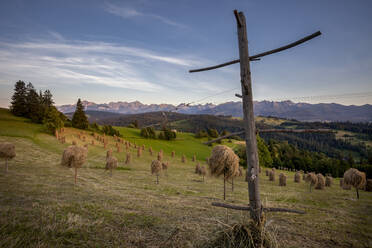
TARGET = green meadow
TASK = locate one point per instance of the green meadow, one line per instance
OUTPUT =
(40, 206)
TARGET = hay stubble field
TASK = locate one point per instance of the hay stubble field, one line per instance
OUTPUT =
(41, 207)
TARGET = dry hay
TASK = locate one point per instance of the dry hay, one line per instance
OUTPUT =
(126, 146)
(203, 172)
(304, 176)
(118, 148)
(108, 153)
(160, 156)
(173, 154)
(74, 143)
(241, 171)
(139, 151)
(83, 138)
(369, 185)
(267, 173)
(128, 158)
(156, 168)
(223, 161)
(328, 181)
(248, 235)
(312, 179)
(150, 151)
(297, 177)
(111, 163)
(164, 165)
(86, 146)
(282, 180)
(344, 185)
(74, 156)
(355, 178)
(194, 158)
(197, 168)
(272, 175)
(183, 159)
(7, 150)
(321, 182)
(92, 143)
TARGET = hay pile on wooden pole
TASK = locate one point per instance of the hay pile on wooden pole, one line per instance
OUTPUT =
(321, 182)
(139, 152)
(156, 168)
(282, 179)
(7, 151)
(312, 179)
(183, 159)
(92, 143)
(355, 178)
(164, 165)
(160, 156)
(304, 176)
(128, 158)
(74, 156)
(150, 151)
(267, 173)
(74, 143)
(197, 168)
(272, 175)
(223, 161)
(328, 181)
(173, 154)
(108, 153)
(194, 158)
(111, 163)
(369, 185)
(203, 172)
(297, 177)
(241, 173)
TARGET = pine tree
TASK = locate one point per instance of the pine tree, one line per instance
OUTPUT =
(79, 119)
(48, 98)
(19, 105)
(34, 111)
(52, 119)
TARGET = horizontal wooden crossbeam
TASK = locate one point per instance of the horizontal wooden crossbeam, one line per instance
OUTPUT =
(248, 208)
(258, 56)
(272, 131)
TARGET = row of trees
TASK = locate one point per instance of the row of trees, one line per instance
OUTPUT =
(164, 134)
(282, 154)
(38, 107)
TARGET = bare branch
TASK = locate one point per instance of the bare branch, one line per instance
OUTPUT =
(248, 208)
(238, 95)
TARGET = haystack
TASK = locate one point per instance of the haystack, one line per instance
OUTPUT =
(223, 161)
(297, 177)
(369, 185)
(241, 171)
(328, 181)
(160, 156)
(355, 178)
(282, 180)
(197, 168)
(272, 175)
(7, 151)
(173, 154)
(267, 173)
(108, 153)
(74, 143)
(111, 163)
(321, 182)
(150, 151)
(128, 158)
(156, 168)
(203, 172)
(164, 165)
(312, 179)
(183, 159)
(139, 151)
(194, 158)
(74, 156)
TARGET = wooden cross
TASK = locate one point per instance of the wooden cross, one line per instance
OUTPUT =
(255, 207)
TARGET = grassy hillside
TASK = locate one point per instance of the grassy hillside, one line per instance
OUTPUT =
(41, 207)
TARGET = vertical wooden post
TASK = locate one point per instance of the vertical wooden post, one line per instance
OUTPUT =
(224, 186)
(6, 165)
(249, 125)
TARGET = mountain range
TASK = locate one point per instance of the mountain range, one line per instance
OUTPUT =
(284, 109)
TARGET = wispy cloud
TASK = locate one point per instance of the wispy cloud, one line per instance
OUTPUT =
(129, 12)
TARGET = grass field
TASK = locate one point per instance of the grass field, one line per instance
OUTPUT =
(41, 207)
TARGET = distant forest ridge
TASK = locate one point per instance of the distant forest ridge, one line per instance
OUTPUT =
(323, 112)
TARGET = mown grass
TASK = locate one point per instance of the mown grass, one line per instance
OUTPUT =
(41, 207)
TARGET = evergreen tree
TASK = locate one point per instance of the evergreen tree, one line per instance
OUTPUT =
(79, 119)
(52, 119)
(19, 105)
(47, 98)
(34, 110)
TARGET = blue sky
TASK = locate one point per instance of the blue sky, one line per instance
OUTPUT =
(105, 51)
